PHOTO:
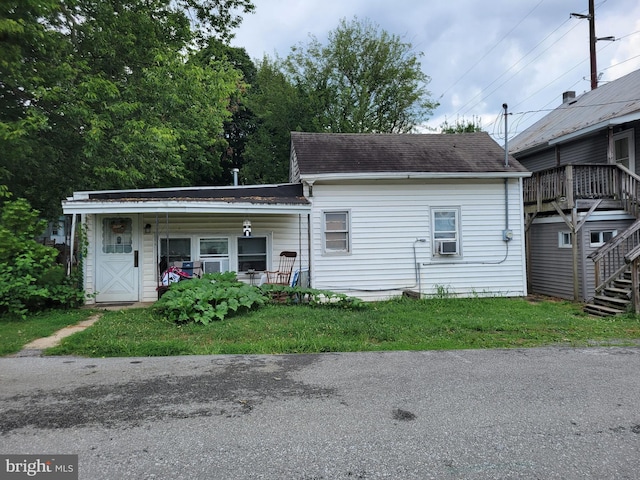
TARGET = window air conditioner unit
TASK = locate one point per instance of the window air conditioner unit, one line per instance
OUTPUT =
(215, 266)
(449, 247)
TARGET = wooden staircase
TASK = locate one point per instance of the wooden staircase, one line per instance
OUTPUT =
(615, 262)
(614, 299)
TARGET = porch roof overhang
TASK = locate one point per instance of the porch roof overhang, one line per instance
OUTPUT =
(264, 199)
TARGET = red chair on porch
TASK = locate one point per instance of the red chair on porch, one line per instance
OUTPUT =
(282, 276)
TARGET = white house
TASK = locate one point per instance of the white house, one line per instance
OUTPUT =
(435, 214)
(372, 216)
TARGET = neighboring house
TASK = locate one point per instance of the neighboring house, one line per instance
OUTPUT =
(581, 202)
(372, 216)
(55, 233)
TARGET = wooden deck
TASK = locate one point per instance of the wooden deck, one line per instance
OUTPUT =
(582, 187)
(574, 188)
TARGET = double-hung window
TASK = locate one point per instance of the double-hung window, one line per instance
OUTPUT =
(252, 253)
(179, 249)
(446, 231)
(214, 254)
(336, 232)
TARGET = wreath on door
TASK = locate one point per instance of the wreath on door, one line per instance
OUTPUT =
(118, 226)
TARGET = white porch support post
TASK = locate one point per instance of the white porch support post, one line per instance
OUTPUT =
(71, 243)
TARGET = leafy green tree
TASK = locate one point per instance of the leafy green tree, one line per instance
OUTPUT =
(102, 94)
(242, 122)
(279, 107)
(363, 80)
(462, 126)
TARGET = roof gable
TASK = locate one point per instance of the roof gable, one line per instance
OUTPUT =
(588, 112)
(336, 153)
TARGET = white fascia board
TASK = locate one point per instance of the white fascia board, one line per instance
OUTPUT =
(84, 207)
(310, 179)
(631, 117)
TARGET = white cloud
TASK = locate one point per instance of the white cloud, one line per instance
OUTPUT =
(479, 55)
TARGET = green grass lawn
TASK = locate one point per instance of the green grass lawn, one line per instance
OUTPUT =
(433, 324)
(15, 333)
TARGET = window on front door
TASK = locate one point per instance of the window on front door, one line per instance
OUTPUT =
(117, 235)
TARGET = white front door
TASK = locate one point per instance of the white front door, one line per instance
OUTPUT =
(117, 259)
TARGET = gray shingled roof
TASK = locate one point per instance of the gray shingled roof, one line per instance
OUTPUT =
(259, 194)
(335, 153)
(590, 111)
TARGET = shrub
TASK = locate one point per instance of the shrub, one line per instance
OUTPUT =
(212, 297)
(31, 279)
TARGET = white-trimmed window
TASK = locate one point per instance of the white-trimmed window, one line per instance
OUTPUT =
(623, 149)
(565, 239)
(336, 232)
(214, 254)
(252, 253)
(179, 249)
(597, 238)
(446, 231)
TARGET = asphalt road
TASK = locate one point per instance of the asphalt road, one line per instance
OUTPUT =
(541, 413)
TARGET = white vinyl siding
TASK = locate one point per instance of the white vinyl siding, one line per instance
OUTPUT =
(386, 221)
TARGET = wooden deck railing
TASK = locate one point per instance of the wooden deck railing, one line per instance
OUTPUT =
(575, 182)
(565, 185)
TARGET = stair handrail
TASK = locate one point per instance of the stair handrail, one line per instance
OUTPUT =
(633, 259)
(611, 259)
(615, 242)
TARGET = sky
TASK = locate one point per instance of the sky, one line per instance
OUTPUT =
(479, 54)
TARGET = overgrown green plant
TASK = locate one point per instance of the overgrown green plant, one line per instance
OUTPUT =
(32, 279)
(442, 291)
(311, 296)
(212, 297)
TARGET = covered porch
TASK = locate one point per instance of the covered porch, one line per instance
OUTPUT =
(131, 236)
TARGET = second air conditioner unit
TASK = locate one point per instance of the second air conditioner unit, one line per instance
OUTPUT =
(448, 247)
(217, 265)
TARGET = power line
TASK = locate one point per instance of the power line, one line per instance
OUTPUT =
(482, 92)
(490, 50)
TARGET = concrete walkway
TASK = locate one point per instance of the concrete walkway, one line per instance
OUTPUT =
(35, 348)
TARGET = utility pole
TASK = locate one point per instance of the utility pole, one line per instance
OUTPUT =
(592, 45)
(592, 41)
